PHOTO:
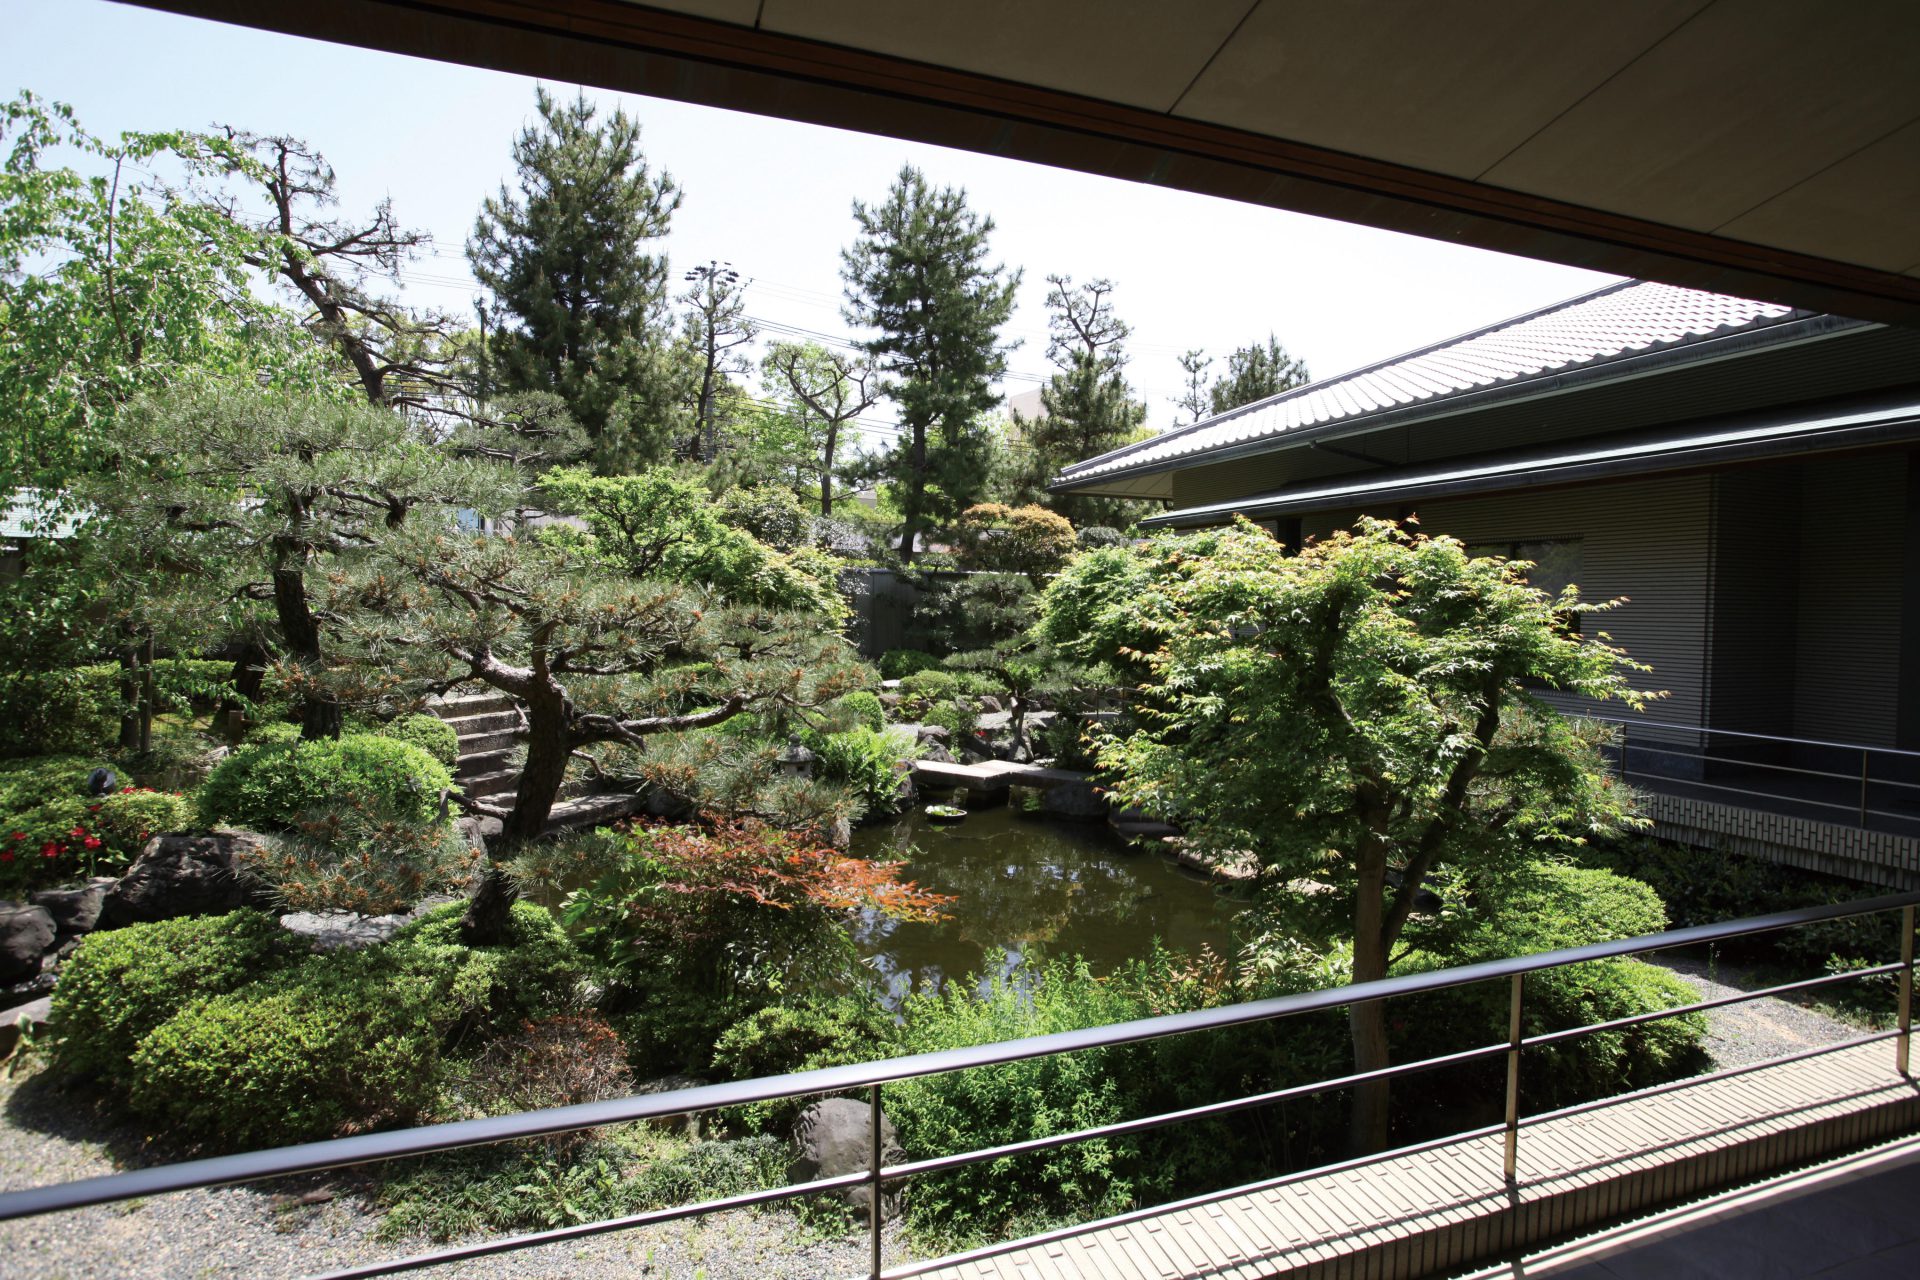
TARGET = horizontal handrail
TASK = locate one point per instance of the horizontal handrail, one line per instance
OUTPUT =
(366, 1148)
(1741, 733)
(1718, 1002)
(1654, 749)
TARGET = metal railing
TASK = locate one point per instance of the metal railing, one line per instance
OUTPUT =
(1845, 790)
(878, 1176)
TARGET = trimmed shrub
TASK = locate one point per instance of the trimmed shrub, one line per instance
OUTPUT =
(769, 512)
(345, 1042)
(269, 786)
(864, 709)
(898, 664)
(120, 985)
(428, 732)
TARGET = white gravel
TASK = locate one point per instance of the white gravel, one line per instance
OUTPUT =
(1753, 1030)
(310, 1226)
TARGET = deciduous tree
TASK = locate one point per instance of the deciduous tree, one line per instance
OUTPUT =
(1360, 714)
(828, 392)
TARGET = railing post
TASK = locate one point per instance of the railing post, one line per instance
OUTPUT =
(873, 1175)
(1863, 788)
(1903, 1042)
(1512, 1162)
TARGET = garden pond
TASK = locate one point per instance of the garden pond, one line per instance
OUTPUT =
(1027, 886)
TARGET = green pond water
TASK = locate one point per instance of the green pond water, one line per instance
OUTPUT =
(1030, 886)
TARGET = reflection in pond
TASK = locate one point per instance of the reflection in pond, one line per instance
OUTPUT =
(1032, 887)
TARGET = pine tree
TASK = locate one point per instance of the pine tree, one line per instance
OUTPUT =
(1256, 372)
(582, 301)
(1193, 399)
(918, 275)
(1089, 408)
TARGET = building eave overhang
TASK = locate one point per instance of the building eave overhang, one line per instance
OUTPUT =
(1746, 343)
(1881, 421)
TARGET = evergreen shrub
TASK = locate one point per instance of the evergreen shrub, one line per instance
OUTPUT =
(338, 1043)
(267, 787)
(119, 985)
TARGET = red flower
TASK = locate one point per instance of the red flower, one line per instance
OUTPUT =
(49, 850)
(17, 835)
(93, 808)
(6, 855)
(78, 831)
(91, 842)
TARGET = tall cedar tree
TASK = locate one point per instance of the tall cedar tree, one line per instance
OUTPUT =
(1254, 373)
(1089, 408)
(580, 301)
(918, 275)
(1362, 714)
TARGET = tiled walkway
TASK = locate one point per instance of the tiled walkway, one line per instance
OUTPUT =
(1446, 1207)
(1849, 1219)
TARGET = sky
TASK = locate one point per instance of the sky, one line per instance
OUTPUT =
(774, 198)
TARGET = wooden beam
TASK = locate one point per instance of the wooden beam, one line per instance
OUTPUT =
(625, 47)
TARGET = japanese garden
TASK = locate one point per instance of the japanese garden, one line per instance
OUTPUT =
(409, 717)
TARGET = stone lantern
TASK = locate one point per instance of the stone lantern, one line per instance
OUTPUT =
(796, 761)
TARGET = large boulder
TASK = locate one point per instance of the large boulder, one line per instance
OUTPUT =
(1074, 800)
(74, 911)
(26, 934)
(186, 875)
(834, 1137)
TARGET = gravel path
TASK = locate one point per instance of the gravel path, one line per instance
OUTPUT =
(308, 1226)
(1753, 1030)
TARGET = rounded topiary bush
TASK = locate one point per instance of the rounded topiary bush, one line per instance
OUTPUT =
(268, 786)
(53, 832)
(428, 732)
(864, 709)
(339, 1043)
(120, 985)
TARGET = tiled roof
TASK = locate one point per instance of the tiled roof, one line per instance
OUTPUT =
(1616, 323)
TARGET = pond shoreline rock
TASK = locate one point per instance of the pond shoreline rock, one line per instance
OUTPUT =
(835, 1136)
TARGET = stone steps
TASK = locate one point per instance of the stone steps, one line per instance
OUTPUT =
(481, 763)
(483, 722)
(487, 785)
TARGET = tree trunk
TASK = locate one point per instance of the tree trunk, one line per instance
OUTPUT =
(1368, 1022)
(130, 699)
(916, 491)
(320, 715)
(826, 471)
(489, 918)
(548, 749)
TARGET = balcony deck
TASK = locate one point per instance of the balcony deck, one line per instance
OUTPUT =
(1446, 1206)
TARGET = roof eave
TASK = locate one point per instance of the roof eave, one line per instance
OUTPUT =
(1785, 333)
(1886, 422)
